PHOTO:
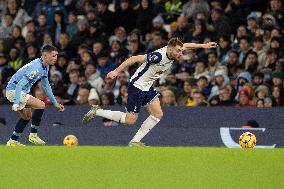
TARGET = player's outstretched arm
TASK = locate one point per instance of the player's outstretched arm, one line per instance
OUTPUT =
(48, 91)
(128, 62)
(197, 45)
(18, 90)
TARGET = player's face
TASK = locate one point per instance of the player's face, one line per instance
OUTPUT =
(50, 57)
(176, 52)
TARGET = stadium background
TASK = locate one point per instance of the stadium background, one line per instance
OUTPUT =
(175, 129)
(95, 36)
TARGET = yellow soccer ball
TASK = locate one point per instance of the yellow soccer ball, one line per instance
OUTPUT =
(247, 140)
(70, 141)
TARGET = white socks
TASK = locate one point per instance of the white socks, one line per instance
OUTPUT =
(147, 125)
(112, 115)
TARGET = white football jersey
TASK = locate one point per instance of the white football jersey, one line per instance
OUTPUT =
(156, 64)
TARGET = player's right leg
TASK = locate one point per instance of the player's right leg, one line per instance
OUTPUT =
(25, 114)
(26, 101)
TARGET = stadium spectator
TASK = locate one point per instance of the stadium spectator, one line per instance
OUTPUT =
(198, 99)
(277, 79)
(251, 63)
(200, 70)
(260, 103)
(258, 79)
(198, 32)
(125, 12)
(93, 37)
(106, 16)
(277, 94)
(93, 77)
(117, 52)
(108, 99)
(83, 82)
(213, 63)
(268, 103)
(261, 92)
(73, 86)
(16, 61)
(6, 26)
(225, 97)
(83, 96)
(94, 98)
(104, 65)
(187, 86)
(158, 26)
(168, 98)
(20, 16)
(156, 42)
(123, 94)
(191, 8)
(182, 27)
(204, 86)
(244, 98)
(220, 80)
(145, 15)
(71, 27)
(58, 87)
(64, 45)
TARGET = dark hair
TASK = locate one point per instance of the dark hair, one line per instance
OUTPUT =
(234, 51)
(212, 52)
(82, 75)
(48, 48)
(251, 52)
(244, 38)
(74, 71)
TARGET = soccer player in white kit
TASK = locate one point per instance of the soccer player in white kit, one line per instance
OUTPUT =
(140, 89)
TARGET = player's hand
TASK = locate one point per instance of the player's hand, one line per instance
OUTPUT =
(210, 45)
(15, 107)
(112, 75)
(59, 107)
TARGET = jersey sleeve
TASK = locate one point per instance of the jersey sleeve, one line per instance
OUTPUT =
(47, 89)
(153, 57)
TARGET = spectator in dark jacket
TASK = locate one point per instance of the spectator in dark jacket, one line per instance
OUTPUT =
(126, 16)
(144, 16)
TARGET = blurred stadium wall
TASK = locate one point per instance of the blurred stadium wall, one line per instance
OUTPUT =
(181, 126)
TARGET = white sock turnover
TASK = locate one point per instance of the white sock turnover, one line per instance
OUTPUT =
(146, 126)
(112, 115)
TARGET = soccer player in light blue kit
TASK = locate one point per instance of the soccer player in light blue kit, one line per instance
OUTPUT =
(140, 90)
(17, 92)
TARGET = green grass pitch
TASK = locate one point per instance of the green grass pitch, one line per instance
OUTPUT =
(154, 167)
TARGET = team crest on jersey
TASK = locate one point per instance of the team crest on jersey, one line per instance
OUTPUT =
(32, 74)
(154, 57)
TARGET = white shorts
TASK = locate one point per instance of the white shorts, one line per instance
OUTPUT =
(23, 98)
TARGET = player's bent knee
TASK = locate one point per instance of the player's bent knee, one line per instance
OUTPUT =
(130, 119)
(41, 105)
(158, 115)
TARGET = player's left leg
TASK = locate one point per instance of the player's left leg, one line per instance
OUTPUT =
(156, 115)
(36, 119)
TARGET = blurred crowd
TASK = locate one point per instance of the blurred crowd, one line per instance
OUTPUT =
(93, 37)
